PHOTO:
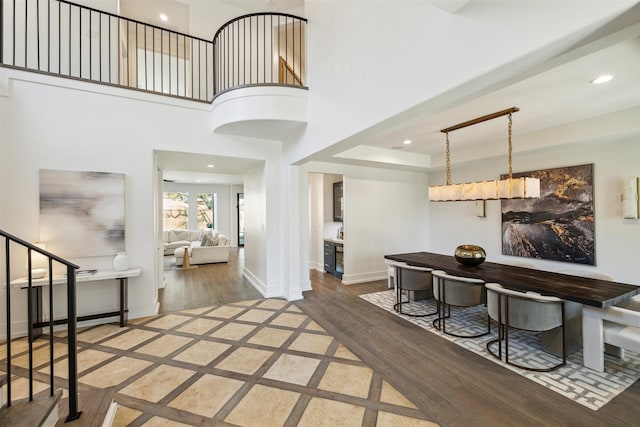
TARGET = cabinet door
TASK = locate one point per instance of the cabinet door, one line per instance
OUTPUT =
(329, 257)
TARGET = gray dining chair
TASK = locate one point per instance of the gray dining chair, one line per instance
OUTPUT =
(412, 279)
(449, 290)
(527, 311)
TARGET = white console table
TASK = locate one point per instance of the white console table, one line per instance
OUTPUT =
(36, 293)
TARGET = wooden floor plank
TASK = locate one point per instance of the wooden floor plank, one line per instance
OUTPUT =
(447, 382)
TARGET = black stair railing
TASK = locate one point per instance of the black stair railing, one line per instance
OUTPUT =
(12, 245)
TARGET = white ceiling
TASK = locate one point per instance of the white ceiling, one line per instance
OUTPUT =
(556, 98)
(192, 168)
(553, 98)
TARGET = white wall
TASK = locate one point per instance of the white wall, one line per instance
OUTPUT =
(316, 220)
(255, 233)
(617, 239)
(385, 212)
(81, 126)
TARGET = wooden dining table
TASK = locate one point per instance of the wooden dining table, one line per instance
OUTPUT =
(588, 291)
(574, 290)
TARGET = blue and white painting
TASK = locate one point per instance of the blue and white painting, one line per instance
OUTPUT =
(82, 213)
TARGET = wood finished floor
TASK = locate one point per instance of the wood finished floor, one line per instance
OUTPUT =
(205, 285)
(450, 385)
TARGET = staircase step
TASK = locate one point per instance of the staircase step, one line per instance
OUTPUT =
(30, 414)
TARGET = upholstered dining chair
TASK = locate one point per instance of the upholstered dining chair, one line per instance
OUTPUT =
(456, 291)
(412, 279)
(528, 311)
(618, 326)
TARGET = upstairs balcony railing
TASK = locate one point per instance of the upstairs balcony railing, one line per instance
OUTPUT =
(74, 41)
(260, 49)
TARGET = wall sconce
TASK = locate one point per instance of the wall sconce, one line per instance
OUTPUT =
(481, 208)
(631, 198)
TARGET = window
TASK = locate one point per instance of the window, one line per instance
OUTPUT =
(206, 211)
(175, 208)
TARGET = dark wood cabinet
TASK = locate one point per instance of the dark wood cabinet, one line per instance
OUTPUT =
(334, 258)
(338, 201)
(329, 257)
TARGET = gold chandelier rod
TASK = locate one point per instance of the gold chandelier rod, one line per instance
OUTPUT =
(480, 119)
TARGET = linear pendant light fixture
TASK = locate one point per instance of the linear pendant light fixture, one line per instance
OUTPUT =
(510, 188)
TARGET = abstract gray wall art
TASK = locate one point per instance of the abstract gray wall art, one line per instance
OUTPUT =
(82, 213)
(560, 224)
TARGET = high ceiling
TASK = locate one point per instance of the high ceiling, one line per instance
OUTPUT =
(554, 98)
(558, 97)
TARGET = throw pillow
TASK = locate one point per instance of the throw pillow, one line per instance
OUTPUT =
(206, 240)
(214, 239)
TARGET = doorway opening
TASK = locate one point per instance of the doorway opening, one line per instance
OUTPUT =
(240, 219)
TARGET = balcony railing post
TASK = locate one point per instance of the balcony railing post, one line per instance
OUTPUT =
(72, 345)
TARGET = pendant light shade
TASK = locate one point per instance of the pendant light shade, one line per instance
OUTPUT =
(509, 188)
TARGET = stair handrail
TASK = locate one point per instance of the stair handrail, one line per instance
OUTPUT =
(72, 354)
(287, 67)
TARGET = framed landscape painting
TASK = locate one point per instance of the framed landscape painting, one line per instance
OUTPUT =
(82, 213)
(559, 225)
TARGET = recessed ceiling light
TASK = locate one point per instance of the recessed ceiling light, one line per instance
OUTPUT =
(163, 17)
(406, 142)
(601, 79)
(197, 180)
(210, 166)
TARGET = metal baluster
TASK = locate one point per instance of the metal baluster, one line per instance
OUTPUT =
(51, 374)
(30, 321)
(7, 260)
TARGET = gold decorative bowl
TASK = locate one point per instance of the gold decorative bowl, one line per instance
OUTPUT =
(470, 255)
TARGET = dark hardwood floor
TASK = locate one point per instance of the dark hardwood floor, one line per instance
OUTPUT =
(452, 385)
(206, 284)
(448, 383)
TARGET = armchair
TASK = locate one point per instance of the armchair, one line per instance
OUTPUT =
(618, 326)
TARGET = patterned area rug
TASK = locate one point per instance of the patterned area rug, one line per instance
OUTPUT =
(573, 381)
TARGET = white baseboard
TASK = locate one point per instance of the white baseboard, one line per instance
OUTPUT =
(255, 282)
(352, 279)
(317, 266)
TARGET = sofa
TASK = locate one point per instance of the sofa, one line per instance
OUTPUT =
(212, 248)
(174, 239)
